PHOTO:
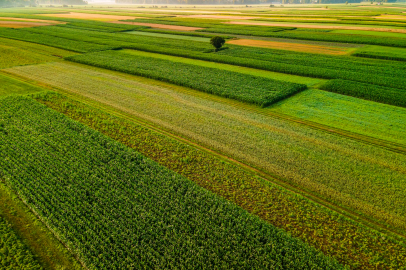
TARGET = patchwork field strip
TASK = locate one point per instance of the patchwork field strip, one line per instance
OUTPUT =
(180, 219)
(292, 132)
(184, 106)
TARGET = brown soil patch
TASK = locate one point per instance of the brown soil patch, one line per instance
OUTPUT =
(91, 16)
(17, 24)
(342, 27)
(219, 17)
(162, 26)
(391, 17)
(289, 46)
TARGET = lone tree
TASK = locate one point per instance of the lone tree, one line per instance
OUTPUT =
(217, 42)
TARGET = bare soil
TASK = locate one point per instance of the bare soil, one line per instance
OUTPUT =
(290, 46)
(91, 16)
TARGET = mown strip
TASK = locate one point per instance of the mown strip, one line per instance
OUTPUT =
(14, 254)
(10, 86)
(351, 243)
(47, 250)
(243, 87)
(118, 209)
(366, 91)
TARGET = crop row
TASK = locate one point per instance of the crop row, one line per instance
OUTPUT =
(281, 32)
(371, 71)
(14, 254)
(367, 91)
(397, 54)
(247, 88)
(115, 208)
(101, 26)
(300, 217)
(364, 178)
(67, 44)
(320, 66)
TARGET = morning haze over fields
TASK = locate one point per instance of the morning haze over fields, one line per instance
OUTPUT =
(194, 134)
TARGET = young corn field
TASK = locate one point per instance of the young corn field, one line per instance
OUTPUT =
(116, 208)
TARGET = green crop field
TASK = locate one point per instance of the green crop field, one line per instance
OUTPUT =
(152, 34)
(365, 117)
(200, 119)
(296, 214)
(127, 200)
(131, 138)
(243, 87)
(398, 54)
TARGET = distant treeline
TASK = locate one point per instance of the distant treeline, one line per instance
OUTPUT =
(61, 2)
(14, 3)
(21, 3)
(239, 2)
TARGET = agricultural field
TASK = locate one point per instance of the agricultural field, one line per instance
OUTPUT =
(138, 136)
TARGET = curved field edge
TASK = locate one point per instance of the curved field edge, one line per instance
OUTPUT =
(47, 249)
(130, 210)
(337, 236)
(14, 254)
